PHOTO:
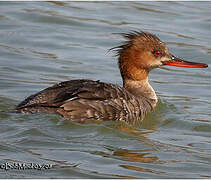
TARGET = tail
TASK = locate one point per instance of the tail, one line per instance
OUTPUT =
(11, 111)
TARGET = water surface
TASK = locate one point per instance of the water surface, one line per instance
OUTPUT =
(42, 43)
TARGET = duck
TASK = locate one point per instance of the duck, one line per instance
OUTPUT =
(84, 99)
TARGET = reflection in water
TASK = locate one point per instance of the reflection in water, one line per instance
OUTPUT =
(140, 156)
(141, 169)
(136, 155)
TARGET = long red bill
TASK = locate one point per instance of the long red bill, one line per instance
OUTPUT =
(180, 63)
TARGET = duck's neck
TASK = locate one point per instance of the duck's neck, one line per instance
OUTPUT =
(143, 91)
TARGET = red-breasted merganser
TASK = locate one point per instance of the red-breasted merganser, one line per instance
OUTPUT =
(81, 100)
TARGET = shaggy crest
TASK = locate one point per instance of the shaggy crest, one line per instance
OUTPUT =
(138, 38)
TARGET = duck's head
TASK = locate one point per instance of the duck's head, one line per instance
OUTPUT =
(143, 52)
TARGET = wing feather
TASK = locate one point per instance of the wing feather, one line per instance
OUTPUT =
(79, 100)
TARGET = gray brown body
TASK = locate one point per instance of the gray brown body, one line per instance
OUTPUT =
(80, 100)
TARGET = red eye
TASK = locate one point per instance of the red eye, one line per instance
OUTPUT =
(157, 53)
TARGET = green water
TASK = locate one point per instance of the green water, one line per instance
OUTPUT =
(42, 43)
